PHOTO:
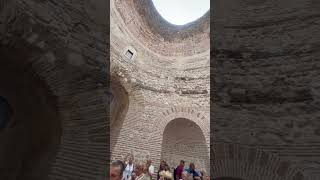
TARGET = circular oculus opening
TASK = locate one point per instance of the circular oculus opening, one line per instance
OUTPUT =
(181, 12)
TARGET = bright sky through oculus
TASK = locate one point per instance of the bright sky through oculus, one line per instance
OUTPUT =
(180, 12)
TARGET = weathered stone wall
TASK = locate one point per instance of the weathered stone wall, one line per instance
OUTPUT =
(266, 61)
(63, 43)
(146, 24)
(30, 143)
(167, 79)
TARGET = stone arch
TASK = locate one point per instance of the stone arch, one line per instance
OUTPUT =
(119, 102)
(31, 139)
(249, 163)
(118, 109)
(74, 71)
(184, 140)
(135, 110)
(177, 112)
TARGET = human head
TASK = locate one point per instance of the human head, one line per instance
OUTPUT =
(182, 162)
(149, 161)
(162, 164)
(192, 166)
(167, 167)
(116, 170)
(139, 168)
(130, 160)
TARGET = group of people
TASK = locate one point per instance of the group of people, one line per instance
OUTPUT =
(180, 173)
(131, 171)
(120, 170)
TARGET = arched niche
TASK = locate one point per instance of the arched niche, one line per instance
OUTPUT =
(184, 140)
(31, 136)
(118, 109)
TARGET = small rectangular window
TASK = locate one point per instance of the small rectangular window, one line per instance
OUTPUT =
(129, 54)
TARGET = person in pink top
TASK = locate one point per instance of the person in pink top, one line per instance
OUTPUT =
(179, 170)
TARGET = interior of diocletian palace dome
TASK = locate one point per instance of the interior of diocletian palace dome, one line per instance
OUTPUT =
(163, 71)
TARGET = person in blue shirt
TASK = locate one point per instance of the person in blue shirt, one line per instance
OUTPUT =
(191, 170)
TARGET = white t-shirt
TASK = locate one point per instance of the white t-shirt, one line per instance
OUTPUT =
(151, 169)
(127, 172)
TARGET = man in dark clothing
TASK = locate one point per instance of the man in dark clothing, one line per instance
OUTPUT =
(179, 170)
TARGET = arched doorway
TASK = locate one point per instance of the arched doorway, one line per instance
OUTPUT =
(184, 140)
(31, 125)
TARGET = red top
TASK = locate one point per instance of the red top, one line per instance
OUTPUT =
(179, 171)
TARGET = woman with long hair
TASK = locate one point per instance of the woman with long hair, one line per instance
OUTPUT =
(166, 174)
(161, 168)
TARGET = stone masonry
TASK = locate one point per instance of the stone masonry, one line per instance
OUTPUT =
(265, 66)
(53, 73)
(167, 82)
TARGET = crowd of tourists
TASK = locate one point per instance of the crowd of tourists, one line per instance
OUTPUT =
(145, 171)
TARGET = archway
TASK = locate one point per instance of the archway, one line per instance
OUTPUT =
(118, 109)
(184, 140)
(31, 131)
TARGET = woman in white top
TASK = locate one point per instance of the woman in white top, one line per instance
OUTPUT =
(149, 168)
(128, 170)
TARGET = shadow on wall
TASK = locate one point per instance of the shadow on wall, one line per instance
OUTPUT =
(6, 114)
(31, 130)
(119, 108)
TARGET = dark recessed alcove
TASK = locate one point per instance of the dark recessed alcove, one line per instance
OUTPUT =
(31, 134)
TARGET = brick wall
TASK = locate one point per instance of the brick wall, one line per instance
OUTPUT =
(168, 79)
(64, 45)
